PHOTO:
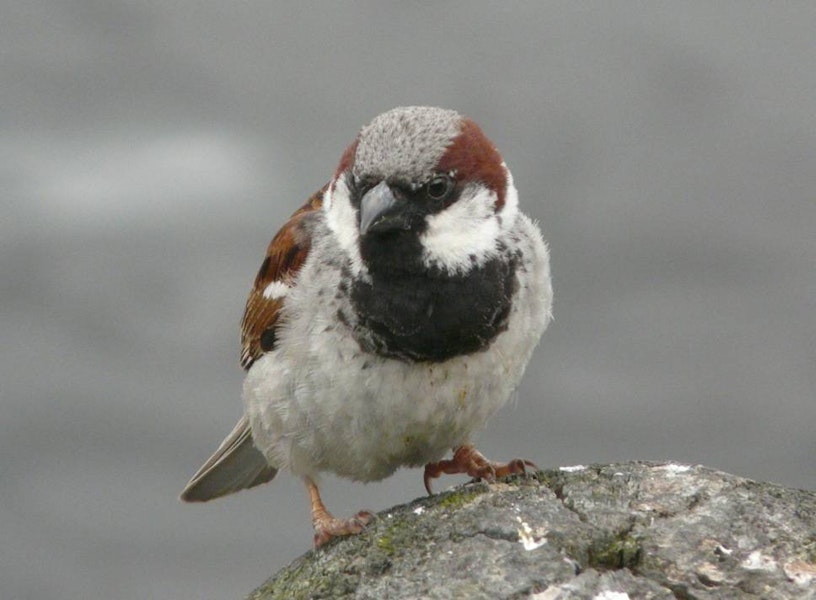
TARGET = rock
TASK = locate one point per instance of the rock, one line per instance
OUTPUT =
(611, 532)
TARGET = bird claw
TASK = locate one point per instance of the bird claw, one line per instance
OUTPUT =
(328, 527)
(467, 459)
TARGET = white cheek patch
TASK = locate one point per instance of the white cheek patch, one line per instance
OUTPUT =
(276, 290)
(510, 209)
(464, 234)
(342, 220)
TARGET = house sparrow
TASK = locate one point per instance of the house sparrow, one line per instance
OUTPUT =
(393, 314)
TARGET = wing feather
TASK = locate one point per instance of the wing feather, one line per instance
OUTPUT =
(237, 464)
(285, 255)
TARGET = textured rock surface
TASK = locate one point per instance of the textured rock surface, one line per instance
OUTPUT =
(634, 530)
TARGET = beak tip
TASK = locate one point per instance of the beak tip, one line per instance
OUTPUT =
(375, 206)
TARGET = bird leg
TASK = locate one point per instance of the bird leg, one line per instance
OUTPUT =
(466, 459)
(326, 526)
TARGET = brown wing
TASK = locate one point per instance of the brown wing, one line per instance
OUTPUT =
(285, 255)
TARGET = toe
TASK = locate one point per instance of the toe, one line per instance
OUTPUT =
(363, 517)
(486, 472)
(332, 528)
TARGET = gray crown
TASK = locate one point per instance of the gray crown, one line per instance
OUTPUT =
(405, 142)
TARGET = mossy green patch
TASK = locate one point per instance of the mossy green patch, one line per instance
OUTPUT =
(386, 544)
(623, 551)
(459, 498)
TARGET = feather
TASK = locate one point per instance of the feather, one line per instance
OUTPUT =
(236, 465)
(285, 255)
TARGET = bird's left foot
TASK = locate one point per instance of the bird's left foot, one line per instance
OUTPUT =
(467, 459)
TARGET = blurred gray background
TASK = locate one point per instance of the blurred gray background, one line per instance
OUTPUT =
(149, 151)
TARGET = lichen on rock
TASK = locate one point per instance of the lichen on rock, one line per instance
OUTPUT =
(633, 530)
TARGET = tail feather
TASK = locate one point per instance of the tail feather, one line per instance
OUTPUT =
(236, 465)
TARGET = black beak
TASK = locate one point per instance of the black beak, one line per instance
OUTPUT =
(381, 211)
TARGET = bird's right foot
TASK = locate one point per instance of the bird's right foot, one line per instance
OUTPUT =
(327, 526)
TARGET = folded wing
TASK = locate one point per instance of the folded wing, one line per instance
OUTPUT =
(237, 464)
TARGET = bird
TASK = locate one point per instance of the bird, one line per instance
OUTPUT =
(392, 315)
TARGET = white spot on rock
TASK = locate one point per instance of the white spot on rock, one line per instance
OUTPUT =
(610, 595)
(419, 510)
(573, 468)
(675, 469)
(563, 591)
(526, 537)
(757, 561)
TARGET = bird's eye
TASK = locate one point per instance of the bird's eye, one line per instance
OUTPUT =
(440, 187)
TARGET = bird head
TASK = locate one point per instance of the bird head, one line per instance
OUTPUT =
(421, 188)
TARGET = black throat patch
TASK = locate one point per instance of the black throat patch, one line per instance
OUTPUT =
(429, 315)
